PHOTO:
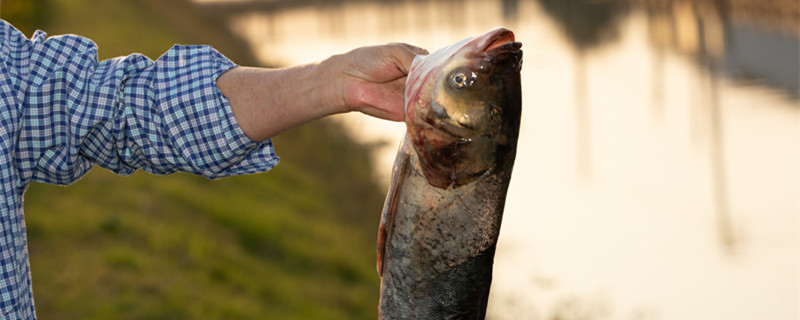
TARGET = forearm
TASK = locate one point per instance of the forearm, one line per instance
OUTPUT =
(267, 102)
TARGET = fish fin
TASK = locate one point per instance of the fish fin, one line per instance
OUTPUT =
(401, 164)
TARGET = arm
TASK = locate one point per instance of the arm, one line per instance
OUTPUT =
(267, 102)
(190, 110)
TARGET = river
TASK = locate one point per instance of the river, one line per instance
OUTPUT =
(658, 170)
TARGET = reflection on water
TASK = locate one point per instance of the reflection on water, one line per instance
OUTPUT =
(657, 174)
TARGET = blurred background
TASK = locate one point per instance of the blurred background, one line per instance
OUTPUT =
(657, 176)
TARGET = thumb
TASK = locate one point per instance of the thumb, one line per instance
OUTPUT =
(404, 53)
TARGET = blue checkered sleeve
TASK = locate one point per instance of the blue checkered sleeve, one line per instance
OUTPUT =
(63, 111)
(128, 113)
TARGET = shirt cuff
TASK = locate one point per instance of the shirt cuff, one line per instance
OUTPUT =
(254, 156)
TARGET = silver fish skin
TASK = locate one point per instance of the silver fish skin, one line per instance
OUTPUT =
(442, 215)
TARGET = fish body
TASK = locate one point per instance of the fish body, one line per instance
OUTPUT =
(442, 214)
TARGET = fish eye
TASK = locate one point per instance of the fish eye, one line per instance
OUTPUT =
(459, 80)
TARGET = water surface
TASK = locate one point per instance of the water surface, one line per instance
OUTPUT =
(658, 170)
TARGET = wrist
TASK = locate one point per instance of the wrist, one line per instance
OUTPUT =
(333, 85)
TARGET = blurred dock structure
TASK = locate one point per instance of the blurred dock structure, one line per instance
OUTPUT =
(783, 15)
(747, 39)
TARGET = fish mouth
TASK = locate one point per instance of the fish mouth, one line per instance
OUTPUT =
(500, 48)
(501, 41)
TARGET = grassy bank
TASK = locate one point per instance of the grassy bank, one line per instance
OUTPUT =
(294, 243)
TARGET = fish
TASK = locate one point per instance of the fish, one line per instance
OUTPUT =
(441, 219)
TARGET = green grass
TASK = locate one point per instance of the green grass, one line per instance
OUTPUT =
(297, 242)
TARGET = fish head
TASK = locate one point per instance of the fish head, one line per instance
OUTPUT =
(463, 106)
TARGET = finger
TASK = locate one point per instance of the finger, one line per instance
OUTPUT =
(403, 54)
(384, 101)
(416, 50)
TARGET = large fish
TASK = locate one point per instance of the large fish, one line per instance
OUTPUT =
(441, 219)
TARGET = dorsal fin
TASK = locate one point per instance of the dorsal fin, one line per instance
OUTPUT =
(401, 164)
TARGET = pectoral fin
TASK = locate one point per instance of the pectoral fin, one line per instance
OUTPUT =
(401, 164)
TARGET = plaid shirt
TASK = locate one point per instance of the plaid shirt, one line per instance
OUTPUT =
(62, 111)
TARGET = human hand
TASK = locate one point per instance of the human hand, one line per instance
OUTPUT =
(371, 79)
